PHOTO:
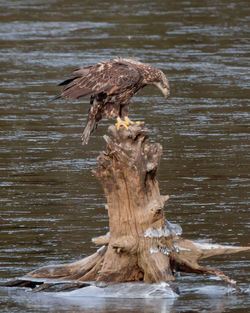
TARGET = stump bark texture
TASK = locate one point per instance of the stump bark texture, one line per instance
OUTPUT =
(127, 171)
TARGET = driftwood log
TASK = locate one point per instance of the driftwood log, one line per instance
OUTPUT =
(141, 244)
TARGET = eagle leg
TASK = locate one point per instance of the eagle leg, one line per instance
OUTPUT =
(120, 123)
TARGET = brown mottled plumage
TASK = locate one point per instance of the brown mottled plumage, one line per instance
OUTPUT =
(110, 85)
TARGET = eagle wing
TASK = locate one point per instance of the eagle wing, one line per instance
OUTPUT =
(109, 78)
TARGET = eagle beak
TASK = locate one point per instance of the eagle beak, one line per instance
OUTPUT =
(164, 89)
(166, 93)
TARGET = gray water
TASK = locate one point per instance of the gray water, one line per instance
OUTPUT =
(51, 205)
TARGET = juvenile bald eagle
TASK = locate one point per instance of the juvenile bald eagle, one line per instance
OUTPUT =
(110, 86)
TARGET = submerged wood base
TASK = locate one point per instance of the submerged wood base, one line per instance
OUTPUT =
(141, 245)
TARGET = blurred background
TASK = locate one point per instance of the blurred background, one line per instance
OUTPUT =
(50, 203)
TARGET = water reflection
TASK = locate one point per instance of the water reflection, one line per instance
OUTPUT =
(51, 205)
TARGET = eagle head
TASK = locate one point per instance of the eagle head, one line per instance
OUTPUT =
(162, 83)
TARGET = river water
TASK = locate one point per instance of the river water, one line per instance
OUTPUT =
(51, 205)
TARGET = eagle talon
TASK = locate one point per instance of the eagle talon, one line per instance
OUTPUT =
(120, 123)
(129, 122)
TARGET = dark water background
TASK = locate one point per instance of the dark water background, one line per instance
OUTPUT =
(51, 205)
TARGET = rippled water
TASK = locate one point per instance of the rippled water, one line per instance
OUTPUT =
(51, 205)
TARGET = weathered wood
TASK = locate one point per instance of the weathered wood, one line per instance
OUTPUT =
(127, 172)
(71, 271)
(101, 241)
(20, 283)
(141, 245)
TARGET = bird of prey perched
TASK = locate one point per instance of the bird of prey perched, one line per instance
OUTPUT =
(110, 86)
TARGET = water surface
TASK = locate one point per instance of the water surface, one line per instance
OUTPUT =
(51, 205)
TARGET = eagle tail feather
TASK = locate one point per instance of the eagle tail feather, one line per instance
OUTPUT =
(55, 98)
(89, 128)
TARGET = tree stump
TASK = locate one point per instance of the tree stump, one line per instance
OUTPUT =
(127, 172)
(141, 244)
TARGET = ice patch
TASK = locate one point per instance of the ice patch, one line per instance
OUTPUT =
(124, 290)
(153, 250)
(209, 246)
(174, 228)
(164, 231)
(157, 232)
